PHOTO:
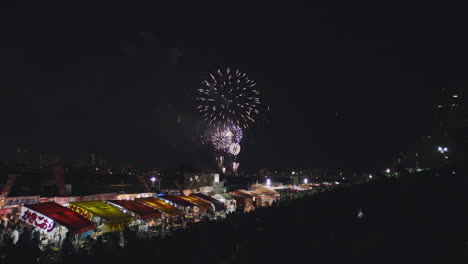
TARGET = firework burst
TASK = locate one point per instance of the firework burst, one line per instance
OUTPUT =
(234, 149)
(221, 140)
(228, 98)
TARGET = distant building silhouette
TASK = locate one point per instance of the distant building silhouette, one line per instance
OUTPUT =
(450, 113)
(452, 123)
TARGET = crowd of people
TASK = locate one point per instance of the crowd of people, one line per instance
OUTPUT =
(17, 238)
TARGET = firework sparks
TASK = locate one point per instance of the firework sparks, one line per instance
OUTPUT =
(235, 166)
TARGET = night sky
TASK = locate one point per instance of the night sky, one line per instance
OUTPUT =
(346, 88)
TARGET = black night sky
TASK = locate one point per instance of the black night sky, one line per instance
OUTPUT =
(345, 87)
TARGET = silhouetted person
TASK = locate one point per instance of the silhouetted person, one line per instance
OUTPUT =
(98, 247)
(67, 247)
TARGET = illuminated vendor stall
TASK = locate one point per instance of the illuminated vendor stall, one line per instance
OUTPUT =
(219, 207)
(53, 221)
(170, 214)
(203, 205)
(244, 200)
(229, 201)
(107, 217)
(265, 196)
(145, 216)
(190, 210)
(206, 208)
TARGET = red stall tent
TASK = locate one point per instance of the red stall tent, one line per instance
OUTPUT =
(139, 210)
(145, 215)
(53, 221)
(176, 201)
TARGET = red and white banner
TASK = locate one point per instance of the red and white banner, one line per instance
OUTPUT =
(61, 200)
(107, 196)
(100, 197)
(14, 201)
(37, 220)
(131, 196)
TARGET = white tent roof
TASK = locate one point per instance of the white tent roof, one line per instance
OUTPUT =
(265, 190)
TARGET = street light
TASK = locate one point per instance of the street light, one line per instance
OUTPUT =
(443, 150)
(153, 179)
(306, 180)
(268, 182)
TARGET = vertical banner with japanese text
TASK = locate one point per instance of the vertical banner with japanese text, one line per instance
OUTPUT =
(37, 220)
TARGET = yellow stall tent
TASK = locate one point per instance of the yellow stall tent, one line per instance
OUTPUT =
(107, 217)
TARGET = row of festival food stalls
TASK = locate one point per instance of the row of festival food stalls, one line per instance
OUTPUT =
(246, 201)
(83, 216)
